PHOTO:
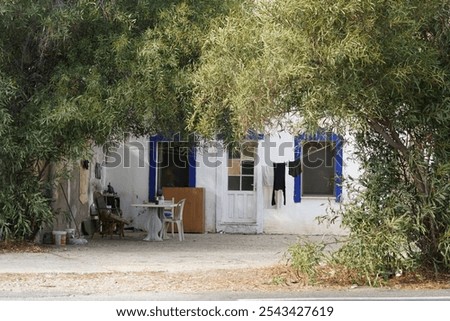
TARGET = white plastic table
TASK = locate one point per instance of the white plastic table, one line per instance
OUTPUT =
(155, 216)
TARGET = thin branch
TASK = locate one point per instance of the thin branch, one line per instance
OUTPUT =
(42, 170)
(390, 136)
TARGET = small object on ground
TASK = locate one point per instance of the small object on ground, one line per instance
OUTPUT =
(74, 241)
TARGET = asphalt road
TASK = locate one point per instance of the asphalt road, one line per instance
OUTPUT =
(363, 294)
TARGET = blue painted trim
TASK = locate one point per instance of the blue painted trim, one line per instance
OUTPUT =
(153, 160)
(251, 135)
(338, 169)
(297, 179)
(254, 135)
(192, 167)
(320, 136)
(153, 154)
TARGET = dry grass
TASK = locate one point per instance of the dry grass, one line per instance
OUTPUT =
(341, 277)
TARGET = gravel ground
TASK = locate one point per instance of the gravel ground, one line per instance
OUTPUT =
(104, 266)
(203, 267)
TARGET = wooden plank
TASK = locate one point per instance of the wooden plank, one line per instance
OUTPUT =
(194, 208)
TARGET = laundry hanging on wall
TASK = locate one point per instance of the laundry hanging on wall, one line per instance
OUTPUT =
(98, 171)
(267, 175)
(279, 181)
(295, 167)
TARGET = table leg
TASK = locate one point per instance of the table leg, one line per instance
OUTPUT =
(161, 218)
(154, 226)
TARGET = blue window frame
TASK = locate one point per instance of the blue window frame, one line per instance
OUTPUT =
(299, 141)
(153, 163)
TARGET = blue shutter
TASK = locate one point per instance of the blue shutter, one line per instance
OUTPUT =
(192, 167)
(338, 169)
(153, 154)
(297, 179)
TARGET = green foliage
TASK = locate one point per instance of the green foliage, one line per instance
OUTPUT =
(315, 60)
(392, 227)
(159, 87)
(78, 73)
(278, 280)
(24, 212)
(305, 257)
(380, 69)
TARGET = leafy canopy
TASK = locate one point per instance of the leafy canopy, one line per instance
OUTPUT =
(78, 73)
(379, 69)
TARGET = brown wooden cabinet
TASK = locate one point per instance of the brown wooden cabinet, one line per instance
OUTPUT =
(194, 208)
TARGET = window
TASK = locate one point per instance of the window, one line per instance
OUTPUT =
(173, 164)
(321, 157)
(241, 167)
(318, 168)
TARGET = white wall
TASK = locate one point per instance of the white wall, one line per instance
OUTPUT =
(207, 178)
(128, 173)
(127, 170)
(130, 179)
(299, 218)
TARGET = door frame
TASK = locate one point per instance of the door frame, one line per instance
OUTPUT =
(222, 201)
(153, 164)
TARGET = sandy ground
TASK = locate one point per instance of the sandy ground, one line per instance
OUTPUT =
(104, 266)
(203, 267)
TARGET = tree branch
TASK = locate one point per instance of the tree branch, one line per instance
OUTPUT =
(390, 136)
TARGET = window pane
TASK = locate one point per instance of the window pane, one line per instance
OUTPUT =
(234, 167)
(318, 168)
(247, 183)
(233, 183)
(173, 169)
(241, 163)
(248, 167)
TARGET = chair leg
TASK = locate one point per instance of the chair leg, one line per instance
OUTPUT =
(104, 229)
(180, 231)
(111, 230)
(93, 232)
(121, 227)
(164, 230)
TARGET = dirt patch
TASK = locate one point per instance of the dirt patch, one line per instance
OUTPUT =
(253, 280)
(21, 247)
(276, 278)
(208, 278)
(247, 280)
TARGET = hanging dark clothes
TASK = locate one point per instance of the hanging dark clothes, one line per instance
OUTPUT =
(98, 171)
(295, 167)
(279, 180)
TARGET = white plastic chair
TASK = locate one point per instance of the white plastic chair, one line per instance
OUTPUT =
(168, 210)
(175, 217)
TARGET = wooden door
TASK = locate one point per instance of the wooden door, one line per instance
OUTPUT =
(241, 195)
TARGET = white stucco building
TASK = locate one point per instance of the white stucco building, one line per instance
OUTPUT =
(238, 184)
